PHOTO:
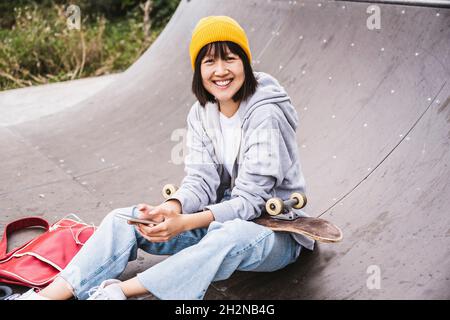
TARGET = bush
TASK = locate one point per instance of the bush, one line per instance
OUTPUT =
(39, 48)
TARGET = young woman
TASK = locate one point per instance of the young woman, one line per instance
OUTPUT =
(242, 151)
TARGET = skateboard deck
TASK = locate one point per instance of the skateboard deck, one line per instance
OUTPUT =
(315, 228)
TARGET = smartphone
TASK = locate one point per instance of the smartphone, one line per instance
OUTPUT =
(136, 220)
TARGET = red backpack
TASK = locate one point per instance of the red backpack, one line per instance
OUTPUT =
(37, 262)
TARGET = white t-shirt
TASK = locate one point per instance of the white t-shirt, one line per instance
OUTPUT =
(230, 128)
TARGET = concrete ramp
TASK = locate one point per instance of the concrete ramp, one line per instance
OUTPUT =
(374, 140)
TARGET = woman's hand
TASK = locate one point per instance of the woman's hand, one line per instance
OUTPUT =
(153, 212)
(171, 220)
(173, 224)
(168, 215)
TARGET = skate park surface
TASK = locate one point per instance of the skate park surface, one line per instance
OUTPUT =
(374, 140)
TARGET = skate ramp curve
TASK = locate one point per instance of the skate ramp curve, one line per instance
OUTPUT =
(374, 140)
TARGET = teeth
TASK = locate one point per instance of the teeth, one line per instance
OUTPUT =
(222, 83)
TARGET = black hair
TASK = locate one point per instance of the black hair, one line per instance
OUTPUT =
(248, 87)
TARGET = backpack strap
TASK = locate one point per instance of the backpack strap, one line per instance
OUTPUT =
(19, 225)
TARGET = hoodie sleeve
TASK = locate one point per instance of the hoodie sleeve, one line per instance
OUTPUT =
(265, 161)
(199, 186)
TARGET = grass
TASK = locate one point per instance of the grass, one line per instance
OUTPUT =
(41, 49)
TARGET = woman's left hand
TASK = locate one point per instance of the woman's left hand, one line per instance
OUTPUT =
(174, 223)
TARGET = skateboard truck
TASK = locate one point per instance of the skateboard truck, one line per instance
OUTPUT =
(281, 209)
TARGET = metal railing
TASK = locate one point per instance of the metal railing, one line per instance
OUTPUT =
(423, 3)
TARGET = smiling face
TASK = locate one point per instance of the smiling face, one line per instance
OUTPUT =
(228, 61)
(222, 73)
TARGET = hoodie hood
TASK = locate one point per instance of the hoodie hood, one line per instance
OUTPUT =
(269, 91)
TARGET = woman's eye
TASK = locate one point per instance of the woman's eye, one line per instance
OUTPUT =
(208, 61)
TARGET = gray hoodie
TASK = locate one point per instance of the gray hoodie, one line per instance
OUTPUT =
(267, 159)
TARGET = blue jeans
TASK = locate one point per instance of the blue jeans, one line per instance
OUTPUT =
(197, 257)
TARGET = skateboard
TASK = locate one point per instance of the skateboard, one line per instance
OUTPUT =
(279, 216)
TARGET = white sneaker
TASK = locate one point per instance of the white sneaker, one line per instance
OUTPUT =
(107, 290)
(29, 295)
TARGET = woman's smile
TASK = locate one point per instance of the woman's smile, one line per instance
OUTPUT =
(223, 84)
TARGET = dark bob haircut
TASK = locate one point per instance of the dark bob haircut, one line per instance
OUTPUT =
(248, 87)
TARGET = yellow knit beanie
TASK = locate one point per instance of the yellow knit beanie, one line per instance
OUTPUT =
(217, 28)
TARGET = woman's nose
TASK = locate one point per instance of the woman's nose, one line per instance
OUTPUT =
(221, 68)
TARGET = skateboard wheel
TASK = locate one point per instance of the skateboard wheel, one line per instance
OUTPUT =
(169, 190)
(301, 200)
(274, 206)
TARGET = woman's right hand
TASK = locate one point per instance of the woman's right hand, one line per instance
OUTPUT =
(168, 214)
(154, 213)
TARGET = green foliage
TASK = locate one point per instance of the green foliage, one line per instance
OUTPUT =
(162, 11)
(38, 47)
